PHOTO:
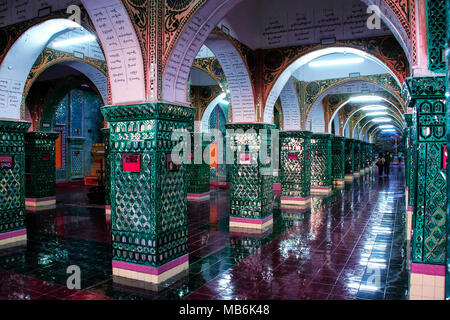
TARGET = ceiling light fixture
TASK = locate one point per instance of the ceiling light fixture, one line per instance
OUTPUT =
(68, 42)
(365, 99)
(335, 62)
(378, 113)
(381, 120)
(374, 108)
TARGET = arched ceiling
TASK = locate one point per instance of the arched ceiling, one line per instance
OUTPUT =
(266, 24)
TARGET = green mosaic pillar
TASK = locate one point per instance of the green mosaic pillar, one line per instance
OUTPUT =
(40, 170)
(447, 94)
(356, 158)
(76, 156)
(368, 156)
(251, 175)
(372, 157)
(409, 172)
(429, 230)
(338, 163)
(107, 169)
(295, 168)
(363, 158)
(12, 182)
(349, 159)
(198, 173)
(148, 190)
(321, 160)
(277, 172)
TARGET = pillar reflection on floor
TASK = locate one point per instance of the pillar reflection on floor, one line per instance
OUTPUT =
(328, 251)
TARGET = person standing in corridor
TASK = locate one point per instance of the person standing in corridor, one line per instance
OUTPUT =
(387, 163)
(380, 164)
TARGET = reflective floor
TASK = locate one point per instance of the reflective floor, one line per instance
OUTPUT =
(350, 245)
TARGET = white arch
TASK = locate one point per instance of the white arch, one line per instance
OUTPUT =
(358, 110)
(376, 130)
(203, 22)
(347, 132)
(20, 59)
(188, 44)
(392, 22)
(315, 121)
(122, 50)
(336, 126)
(239, 83)
(119, 41)
(96, 76)
(287, 73)
(360, 133)
(291, 108)
(207, 113)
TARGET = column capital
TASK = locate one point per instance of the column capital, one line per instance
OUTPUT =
(250, 125)
(296, 134)
(148, 111)
(14, 125)
(328, 136)
(40, 135)
(349, 140)
(423, 87)
(339, 138)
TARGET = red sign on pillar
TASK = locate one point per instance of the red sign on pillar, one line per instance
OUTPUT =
(245, 158)
(6, 162)
(292, 155)
(131, 162)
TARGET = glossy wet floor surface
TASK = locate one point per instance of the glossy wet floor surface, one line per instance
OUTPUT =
(350, 245)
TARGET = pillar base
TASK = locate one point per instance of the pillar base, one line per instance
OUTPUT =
(427, 282)
(321, 191)
(295, 201)
(150, 274)
(339, 183)
(245, 232)
(348, 178)
(108, 210)
(245, 223)
(356, 174)
(198, 196)
(31, 203)
(13, 238)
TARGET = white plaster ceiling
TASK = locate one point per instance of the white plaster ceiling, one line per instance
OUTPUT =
(89, 49)
(204, 52)
(200, 78)
(14, 11)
